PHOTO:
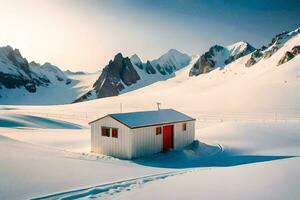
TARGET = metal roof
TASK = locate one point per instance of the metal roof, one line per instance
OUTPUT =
(149, 118)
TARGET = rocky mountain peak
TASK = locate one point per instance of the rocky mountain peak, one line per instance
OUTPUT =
(276, 43)
(218, 56)
(289, 55)
(135, 59)
(114, 77)
(15, 57)
(240, 47)
(172, 59)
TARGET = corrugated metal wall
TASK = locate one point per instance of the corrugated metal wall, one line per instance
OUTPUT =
(118, 147)
(183, 138)
(146, 142)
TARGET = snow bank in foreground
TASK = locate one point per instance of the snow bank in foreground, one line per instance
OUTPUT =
(30, 171)
(19, 121)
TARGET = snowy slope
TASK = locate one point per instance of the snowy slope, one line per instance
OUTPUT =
(32, 83)
(53, 94)
(219, 56)
(264, 87)
(255, 113)
(276, 43)
(48, 71)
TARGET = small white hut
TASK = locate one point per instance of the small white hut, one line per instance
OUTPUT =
(137, 134)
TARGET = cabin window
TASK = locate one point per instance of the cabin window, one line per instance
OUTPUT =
(105, 131)
(114, 132)
(158, 130)
(184, 126)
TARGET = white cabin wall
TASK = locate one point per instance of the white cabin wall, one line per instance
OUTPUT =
(183, 138)
(118, 147)
(145, 141)
(93, 137)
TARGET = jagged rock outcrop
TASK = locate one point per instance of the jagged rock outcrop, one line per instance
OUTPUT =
(122, 73)
(276, 43)
(161, 70)
(289, 55)
(83, 97)
(137, 61)
(296, 50)
(255, 57)
(240, 53)
(165, 65)
(16, 72)
(118, 72)
(219, 56)
(205, 63)
(270, 52)
(149, 68)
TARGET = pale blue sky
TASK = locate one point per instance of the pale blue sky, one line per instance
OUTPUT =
(86, 34)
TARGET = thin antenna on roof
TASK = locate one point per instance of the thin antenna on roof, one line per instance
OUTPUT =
(121, 107)
(158, 105)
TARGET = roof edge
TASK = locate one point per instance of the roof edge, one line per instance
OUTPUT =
(98, 119)
(134, 127)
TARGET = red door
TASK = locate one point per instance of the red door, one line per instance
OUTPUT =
(167, 137)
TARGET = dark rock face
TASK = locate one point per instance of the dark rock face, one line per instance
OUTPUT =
(24, 78)
(278, 37)
(296, 49)
(16, 58)
(149, 68)
(203, 65)
(16, 72)
(83, 97)
(12, 81)
(270, 52)
(276, 43)
(206, 62)
(255, 57)
(117, 72)
(289, 55)
(161, 70)
(128, 74)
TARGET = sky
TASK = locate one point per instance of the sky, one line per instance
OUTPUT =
(86, 34)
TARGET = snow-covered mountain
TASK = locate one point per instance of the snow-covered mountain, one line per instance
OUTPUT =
(16, 72)
(124, 74)
(218, 56)
(22, 82)
(276, 43)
